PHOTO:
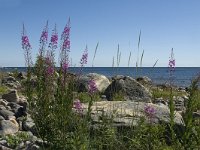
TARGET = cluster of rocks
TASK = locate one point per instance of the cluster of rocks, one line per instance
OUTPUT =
(11, 82)
(128, 87)
(135, 95)
(126, 111)
(179, 103)
(17, 129)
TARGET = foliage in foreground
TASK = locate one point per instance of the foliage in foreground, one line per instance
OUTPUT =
(60, 119)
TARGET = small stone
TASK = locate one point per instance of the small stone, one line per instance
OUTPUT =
(196, 115)
(33, 138)
(160, 101)
(3, 142)
(8, 127)
(103, 97)
(27, 143)
(13, 105)
(6, 113)
(21, 75)
(20, 112)
(34, 147)
(2, 107)
(11, 96)
(8, 108)
(4, 148)
(11, 117)
(11, 85)
(23, 102)
(2, 118)
(29, 125)
(3, 102)
(21, 146)
(144, 80)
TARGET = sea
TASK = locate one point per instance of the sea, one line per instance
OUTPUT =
(180, 76)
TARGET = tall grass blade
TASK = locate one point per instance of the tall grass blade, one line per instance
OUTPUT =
(141, 58)
(118, 55)
(71, 62)
(155, 63)
(139, 39)
(113, 62)
(95, 54)
(129, 59)
(119, 59)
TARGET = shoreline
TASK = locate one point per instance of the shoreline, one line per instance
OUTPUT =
(159, 76)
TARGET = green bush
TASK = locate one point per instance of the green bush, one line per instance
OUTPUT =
(3, 90)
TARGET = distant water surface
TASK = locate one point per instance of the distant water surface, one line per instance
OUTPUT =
(182, 76)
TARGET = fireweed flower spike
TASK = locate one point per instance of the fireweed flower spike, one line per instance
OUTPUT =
(149, 112)
(83, 60)
(172, 61)
(54, 39)
(92, 86)
(50, 53)
(27, 48)
(77, 105)
(65, 47)
(65, 66)
(84, 57)
(43, 40)
(65, 37)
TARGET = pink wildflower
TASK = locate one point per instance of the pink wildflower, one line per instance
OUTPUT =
(27, 48)
(149, 112)
(84, 57)
(172, 61)
(43, 40)
(65, 47)
(92, 86)
(77, 105)
(65, 37)
(54, 39)
(65, 66)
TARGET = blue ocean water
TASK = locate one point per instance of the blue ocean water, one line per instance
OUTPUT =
(182, 76)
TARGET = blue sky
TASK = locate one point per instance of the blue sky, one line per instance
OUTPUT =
(165, 24)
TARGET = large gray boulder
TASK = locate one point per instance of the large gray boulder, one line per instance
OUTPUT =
(129, 88)
(127, 113)
(101, 81)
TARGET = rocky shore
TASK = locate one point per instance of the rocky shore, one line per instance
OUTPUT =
(17, 129)
(121, 97)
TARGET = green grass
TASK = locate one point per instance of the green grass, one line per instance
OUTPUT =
(118, 96)
(3, 90)
(15, 139)
(84, 97)
(165, 93)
